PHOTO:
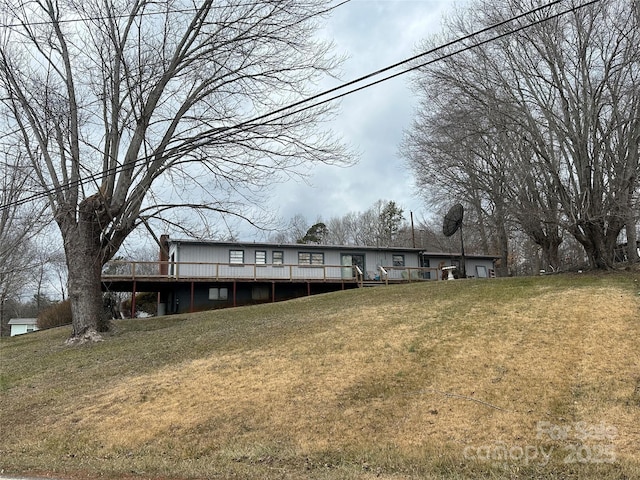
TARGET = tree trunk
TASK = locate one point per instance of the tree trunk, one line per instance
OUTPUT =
(599, 257)
(632, 244)
(503, 243)
(549, 257)
(550, 249)
(502, 238)
(632, 236)
(597, 260)
(84, 261)
(85, 295)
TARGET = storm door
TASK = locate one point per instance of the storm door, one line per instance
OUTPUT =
(349, 261)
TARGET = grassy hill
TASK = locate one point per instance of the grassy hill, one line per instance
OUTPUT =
(507, 378)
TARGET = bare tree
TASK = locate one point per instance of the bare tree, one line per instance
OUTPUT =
(379, 225)
(562, 99)
(580, 108)
(19, 223)
(294, 230)
(58, 270)
(389, 220)
(125, 106)
(340, 229)
(457, 150)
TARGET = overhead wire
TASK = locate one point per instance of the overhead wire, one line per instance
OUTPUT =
(34, 23)
(412, 59)
(300, 106)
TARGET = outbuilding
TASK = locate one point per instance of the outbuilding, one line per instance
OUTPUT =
(20, 326)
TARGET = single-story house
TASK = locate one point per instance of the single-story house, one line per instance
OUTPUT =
(234, 273)
(20, 326)
(195, 275)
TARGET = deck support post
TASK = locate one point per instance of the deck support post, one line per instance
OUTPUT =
(133, 300)
(192, 297)
(273, 292)
(234, 293)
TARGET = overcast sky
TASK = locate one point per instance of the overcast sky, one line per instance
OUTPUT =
(373, 34)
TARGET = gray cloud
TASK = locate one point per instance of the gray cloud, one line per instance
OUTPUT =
(373, 34)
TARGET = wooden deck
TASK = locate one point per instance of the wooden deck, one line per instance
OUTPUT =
(119, 272)
(167, 278)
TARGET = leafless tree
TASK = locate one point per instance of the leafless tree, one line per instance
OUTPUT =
(579, 104)
(58, 273)
(19, 223)
(457, 153)
(563, 98)
(295, 229)
(340, 229)
(379, 225)
(127, 109)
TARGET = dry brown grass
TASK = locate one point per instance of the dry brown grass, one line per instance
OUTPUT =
(399, 382)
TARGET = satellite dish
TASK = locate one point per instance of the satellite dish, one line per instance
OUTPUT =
(453, 220)
(453, 223)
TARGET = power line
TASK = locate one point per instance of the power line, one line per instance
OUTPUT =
(434, 50)
(96, 18)
(297, 107)
(414, 58)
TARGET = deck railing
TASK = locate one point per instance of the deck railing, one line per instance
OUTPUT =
(156, 270)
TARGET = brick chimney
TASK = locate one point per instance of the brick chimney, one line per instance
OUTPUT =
(164, 254)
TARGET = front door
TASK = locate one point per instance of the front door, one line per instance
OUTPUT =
(349, 261)
(425, 263)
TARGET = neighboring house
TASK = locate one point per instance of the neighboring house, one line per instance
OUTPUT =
(200, 275)
(20, 326)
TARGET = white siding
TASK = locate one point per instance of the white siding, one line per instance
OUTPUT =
(22, 329)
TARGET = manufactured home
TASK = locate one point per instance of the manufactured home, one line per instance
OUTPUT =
(200, 275)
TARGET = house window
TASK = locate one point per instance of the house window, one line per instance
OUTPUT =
(307, 258)
(398, 260)
(218, 293)
(261, 257)
(236, 257)
(277, 257)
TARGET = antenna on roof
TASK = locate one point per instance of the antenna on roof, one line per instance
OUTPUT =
(452, 223)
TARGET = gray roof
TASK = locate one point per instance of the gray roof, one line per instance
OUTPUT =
(23, 321)
(313, 246)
